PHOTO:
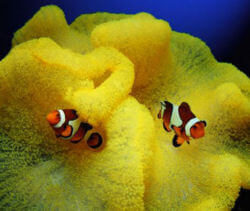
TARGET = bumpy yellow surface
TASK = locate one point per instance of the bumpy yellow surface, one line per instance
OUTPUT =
(114, 69)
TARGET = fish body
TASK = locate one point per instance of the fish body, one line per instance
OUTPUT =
(182, 120)
(67, 125)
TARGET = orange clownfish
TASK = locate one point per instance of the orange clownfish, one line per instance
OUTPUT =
(182, 121)
(67, 125)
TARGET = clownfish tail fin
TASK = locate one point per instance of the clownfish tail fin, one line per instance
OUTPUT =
(95, 140)
(162, 103)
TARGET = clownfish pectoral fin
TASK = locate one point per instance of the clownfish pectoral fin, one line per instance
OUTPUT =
(165, 128)
(67, 132)
(177, 141)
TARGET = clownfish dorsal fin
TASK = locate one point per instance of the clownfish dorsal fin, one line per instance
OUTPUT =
(185, 106)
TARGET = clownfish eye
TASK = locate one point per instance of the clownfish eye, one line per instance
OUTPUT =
(95, 140)
(194, 126)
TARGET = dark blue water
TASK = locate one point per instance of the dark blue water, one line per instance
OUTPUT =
(223, 24)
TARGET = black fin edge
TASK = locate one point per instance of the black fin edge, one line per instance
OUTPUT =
(175, 141)
(76, 142)
(99, 140)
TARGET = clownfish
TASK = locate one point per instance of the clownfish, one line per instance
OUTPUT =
(67, 125)
(182, 121)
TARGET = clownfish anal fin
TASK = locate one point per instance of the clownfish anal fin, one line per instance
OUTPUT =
(75, 142)
(176, 142)
(165, 128)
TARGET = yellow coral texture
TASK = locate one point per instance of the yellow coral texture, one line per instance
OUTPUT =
(114, 69)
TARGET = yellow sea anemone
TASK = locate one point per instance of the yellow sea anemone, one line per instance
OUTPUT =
(114, 69)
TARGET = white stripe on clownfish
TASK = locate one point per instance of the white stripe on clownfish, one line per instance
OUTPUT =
(175, 119)
(89, 133)
(62, 119)
(190, 124)
(163, 108)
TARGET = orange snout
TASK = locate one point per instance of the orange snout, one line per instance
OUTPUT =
(53, 118)
(198, 130)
